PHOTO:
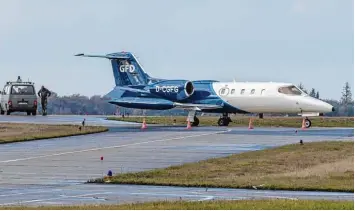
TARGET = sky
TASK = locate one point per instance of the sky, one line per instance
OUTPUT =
(308, 41)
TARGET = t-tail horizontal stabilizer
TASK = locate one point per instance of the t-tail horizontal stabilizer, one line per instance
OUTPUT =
(108, 56)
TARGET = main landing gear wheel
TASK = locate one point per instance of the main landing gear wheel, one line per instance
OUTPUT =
(224, 121)
(196, 122)
(221, 122)
(307, 123)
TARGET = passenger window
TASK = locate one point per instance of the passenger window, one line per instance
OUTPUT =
(232, 92)
(262, 91)
(252, 91)
(242, 91)
(224, 91)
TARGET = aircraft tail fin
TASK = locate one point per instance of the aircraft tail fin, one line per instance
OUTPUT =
(126, 69)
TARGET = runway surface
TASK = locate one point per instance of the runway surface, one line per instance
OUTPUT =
(53, 171)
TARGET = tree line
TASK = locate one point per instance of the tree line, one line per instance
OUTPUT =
(98, 105)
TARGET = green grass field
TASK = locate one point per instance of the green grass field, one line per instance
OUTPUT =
(17, 132)
(277, 204)
(324, 166)
(244, 121)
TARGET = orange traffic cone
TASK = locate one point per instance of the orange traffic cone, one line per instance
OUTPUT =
(251, 124)
(144, 125)
(188, 124)
(303, 124)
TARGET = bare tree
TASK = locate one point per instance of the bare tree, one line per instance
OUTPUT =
(346, 97)
(302, 88)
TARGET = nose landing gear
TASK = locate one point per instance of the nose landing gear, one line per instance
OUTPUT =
(196, 122)
(224, 120)
(307, 123)
(193, 119)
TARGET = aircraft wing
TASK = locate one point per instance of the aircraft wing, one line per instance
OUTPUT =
(196, 107)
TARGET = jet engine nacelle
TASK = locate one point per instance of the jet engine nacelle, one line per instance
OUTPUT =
(175, 90)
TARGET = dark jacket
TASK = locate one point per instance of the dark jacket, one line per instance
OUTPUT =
(44, 93)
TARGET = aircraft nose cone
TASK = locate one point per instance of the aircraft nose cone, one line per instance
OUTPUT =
(316, 105)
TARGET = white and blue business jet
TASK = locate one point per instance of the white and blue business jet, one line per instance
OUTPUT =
(136, 89)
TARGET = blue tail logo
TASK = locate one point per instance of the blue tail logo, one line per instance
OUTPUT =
(126, 69)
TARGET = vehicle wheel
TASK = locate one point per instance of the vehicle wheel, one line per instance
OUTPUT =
(8, 112)
(196, 122)
(34, 113)
(307, 123)
(2, 112)
(28, 113)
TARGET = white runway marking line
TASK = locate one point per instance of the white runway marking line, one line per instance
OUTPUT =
(61, 197)
(33, 192)
(112, 147)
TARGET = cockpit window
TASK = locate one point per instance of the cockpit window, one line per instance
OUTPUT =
(290, 90)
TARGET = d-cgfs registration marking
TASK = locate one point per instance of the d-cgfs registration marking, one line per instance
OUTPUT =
(167, 89)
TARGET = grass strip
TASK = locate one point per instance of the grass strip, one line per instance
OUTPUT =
(316, 166)
(276, 204)
(18, 132)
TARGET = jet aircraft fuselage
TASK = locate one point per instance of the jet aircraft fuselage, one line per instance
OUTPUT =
(136, 89)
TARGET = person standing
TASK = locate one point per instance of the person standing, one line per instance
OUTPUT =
(44, 93)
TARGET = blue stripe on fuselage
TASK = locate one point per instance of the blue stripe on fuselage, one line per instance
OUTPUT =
(204, 94)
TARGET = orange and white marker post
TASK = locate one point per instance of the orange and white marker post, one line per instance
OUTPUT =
(144, 124)
(251, 124)
(303, 124)
(188, 127)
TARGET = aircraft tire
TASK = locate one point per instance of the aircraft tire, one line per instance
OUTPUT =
(196, 122)
(223, 121)
(307, 123)
(220, 122)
